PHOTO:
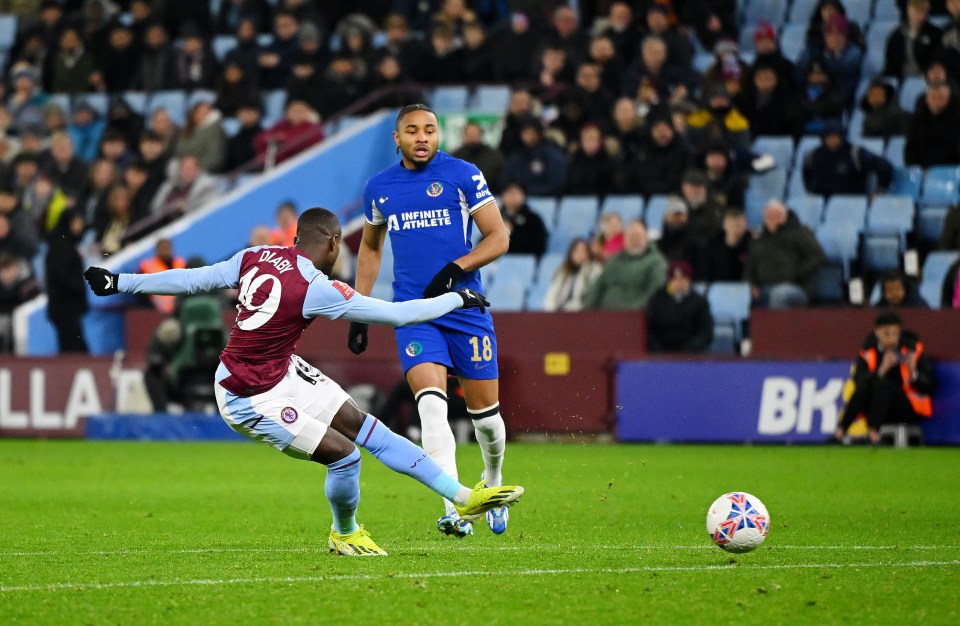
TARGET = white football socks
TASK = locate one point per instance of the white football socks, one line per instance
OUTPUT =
(437, 436)
(492, 437)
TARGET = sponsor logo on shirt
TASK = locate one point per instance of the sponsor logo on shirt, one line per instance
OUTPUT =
(414, 348)
(434, 190)
(344, 289)
(288, 415)
(419, 219)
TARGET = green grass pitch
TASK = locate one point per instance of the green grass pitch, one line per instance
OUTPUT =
(160, 533)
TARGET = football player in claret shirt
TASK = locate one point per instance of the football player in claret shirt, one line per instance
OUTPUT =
(429, 203)
(266, 392)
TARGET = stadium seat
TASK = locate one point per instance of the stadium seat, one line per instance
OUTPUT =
(490, 99)
(846, 208)
(894, 151)
(449, 99)
(771, 184)
(507, 293)
(521, 266)
(839, 242)
(724, 338)
(773, 11)
(930, 221)
(231, 126)
(548, 265)
(174, 102)
(881, 252)
(855, 127)
(656, 207)
(907, 181)
(800, 12)
(809, 209)
(887, 11)
(910, 90)
(805, 145)
(873, 57)
(796, 187)
(100, 102)
(941, 185)
(891, 215)
(753, 205)
(857, 10)
(8, 31)
(730, 303)
(829, 285)
(628, 206)
(137, 100)
(223, 44)
(703, 62)
(545, 207)
(874, 145)
(937, 263)
(793, 40)
(273, 102)
(931, 293)
(779, 147)
(576, 217)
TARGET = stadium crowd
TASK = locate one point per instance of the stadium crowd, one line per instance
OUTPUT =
(653, 98)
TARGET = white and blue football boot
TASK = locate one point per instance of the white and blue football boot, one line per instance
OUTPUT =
(497, 519)
(454, 525)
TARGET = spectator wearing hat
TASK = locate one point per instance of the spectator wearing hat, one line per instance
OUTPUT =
(783, 261)
(837, 166)
(719, 119)
(934, 135)
(119, 62)
(157, 67)
(488, 160)
(203, 135)
(592, 169)
(822, 13)
(770, 104)
(539, 165)
(629, 278)
(85, 128)
(658, 166)
(27, 98)
(726, 251)
(299, 129)
(74, 68)
(310, 46)
(726, 182)
(840, 55)
(914, 45)
(705, 211)
(678, 240)
(528, 235)
(882, 115)
(678, 318)
(276, 58)
(820, 99)
(769, 55)
(122, 117)
(728, 69)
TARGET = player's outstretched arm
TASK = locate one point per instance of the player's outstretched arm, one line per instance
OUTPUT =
(169, 282)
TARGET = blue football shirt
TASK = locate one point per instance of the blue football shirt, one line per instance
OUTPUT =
(427, 213)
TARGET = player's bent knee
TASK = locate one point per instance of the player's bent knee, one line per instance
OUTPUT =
(348, 420)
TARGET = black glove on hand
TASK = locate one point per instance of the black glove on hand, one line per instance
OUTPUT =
(357, 341)
(472, 299)
(443, 281)
(101, 281)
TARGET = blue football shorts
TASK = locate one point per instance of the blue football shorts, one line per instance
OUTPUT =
(464, 341)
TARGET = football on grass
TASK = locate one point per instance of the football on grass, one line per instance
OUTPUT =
(738, 522)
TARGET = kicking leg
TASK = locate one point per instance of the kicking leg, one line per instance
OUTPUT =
(483, 405)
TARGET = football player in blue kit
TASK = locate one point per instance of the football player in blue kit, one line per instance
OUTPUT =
(429, 203)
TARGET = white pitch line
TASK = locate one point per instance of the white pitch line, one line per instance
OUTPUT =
(444, 548)
(392, 576)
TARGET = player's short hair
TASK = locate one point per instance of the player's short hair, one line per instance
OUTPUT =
(410, 108)
(316, 222)
(887, 318)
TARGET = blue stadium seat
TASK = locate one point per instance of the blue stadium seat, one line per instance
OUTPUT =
(873, 145)
(753, 208)
(730, 303)
(273, 102)
(887, 11)
(656, 207)
(800, 12)
(545, 207)
(805, 145)
(222, 44)
(779, 147)
(829, 286)
(773, 11)
(881, 252)
(724, 338)
(231, 126)
(8, 31)
(907, 181)
(100, 102)
(894, 151)
(796, 187)
(855, 126)
(629, 206)
(449, 99)
(941, 185)
(576, 217)
(523, 266)
(937, 263)
(891, 215)
(793, 40)
(507, 293)
(930, 221)
(857, 10)
(911, 89)
(931, 293)
(839, 242)
(846, 208)
(772, 184)
(137, 101)
(873, 57)
(490, 99)
(703, 62)
(809, 209)
(174, 101)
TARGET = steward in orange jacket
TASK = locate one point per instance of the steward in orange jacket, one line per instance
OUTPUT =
(163, 260)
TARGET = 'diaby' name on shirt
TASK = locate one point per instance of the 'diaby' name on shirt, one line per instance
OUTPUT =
(420, 219)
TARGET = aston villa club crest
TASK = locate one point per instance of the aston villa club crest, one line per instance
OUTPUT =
(288, 415)
(414, 348)
(434, 190)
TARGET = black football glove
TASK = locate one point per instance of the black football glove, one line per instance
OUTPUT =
(473, 299)
(101, 281)
(357, 341)
(443, 281)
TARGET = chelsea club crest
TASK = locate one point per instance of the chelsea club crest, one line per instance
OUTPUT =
(434, 190)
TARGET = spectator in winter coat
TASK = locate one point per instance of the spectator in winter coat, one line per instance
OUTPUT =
(631, 277)
(66, 290)
(591, 168)
(203, 135)
(539, 165)
(882, 115)
(156, 69)
(74, 67)
(678, 318)
(820, 98)
(837, 166)
(299, 129)
(727, 250)
(841, 56)
(769, 55)
(528, 235)
(770, 104)
(658, 167)
(914, 45)
(241, 147)
(934, 137)
(86, 127)
(488, 160)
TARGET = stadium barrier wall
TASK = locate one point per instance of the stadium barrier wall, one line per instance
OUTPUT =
(755, 402)
(331, 175)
